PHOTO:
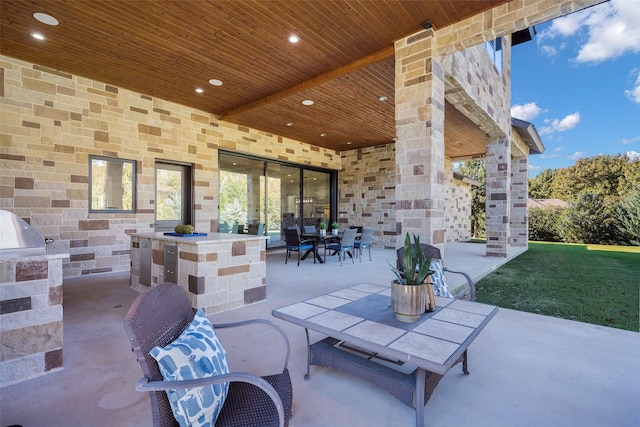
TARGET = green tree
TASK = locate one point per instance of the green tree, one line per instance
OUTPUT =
(627, 216)
(588, 219)
(233, 198)
(540, 187)
(476, 169)
(603, 174)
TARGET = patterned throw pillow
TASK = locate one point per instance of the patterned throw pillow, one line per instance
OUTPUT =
(196, 353)
(439, 285)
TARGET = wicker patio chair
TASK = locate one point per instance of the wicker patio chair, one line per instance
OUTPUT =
(434, 253)
(156, 318)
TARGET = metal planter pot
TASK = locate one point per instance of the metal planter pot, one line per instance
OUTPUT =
(408, 302)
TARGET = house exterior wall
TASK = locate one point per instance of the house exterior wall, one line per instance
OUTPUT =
(457, 207)
(52, 122)
(476, 88)
(366, 192)
(367, 196)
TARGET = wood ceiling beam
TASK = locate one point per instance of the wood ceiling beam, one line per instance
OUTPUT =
(313, 82)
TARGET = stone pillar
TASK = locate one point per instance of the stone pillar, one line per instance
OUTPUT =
(519, 197)
(419, 92)
(498, 163)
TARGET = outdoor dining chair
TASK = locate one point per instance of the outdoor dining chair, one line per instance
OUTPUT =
(344, 246)
(364, 242)
(439, 283)
(295, 244)
(161, 320)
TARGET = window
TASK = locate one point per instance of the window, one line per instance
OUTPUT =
(494, 49)
(173, 195)
(112, 184)
(276, 194)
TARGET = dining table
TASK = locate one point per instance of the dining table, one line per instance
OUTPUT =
(319, 240)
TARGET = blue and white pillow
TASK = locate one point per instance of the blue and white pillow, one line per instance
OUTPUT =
(196, 353)
(437, 278)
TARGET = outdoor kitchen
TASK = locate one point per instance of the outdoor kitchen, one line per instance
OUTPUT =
(31, 326)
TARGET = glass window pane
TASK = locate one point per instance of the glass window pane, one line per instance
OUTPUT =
(112, 184)
(168, 195)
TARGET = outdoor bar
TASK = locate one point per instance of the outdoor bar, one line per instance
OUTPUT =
(219, 271)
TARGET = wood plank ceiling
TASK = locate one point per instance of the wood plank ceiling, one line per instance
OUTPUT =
(167, 48)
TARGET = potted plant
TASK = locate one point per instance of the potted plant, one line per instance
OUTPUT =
(323, 229)
(335, 227)
(409, 289)
(184, 229)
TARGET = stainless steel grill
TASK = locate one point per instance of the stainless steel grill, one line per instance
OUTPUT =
(16, 236)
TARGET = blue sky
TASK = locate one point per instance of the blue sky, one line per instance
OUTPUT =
(578, 82)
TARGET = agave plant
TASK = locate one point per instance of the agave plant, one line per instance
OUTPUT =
(414, 264)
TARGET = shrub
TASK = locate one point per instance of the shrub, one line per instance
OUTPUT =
(543, 224)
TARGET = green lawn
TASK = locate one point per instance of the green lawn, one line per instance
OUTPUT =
(588, 283)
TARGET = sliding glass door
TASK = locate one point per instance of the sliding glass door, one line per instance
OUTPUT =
(275, 194)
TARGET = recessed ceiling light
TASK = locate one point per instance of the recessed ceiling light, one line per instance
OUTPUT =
(323, 134)
(293, 38)
(289, 124)
(307, 102)
(382, 98)
(349, 142)
(38, 36)
(45, 19)
(215, 82)
(199, 90)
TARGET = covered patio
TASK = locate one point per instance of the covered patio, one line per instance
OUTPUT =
(526, 369)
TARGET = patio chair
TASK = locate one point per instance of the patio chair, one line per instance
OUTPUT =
(364, 242)
(310, 229)
(157, 317)
(346, 244)
(295, 244)
(256, 229)
(435, 254)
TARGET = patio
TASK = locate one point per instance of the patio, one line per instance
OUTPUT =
(526, 369)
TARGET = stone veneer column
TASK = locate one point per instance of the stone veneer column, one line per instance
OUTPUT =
(519, 197)
(420, 196)
(498, 163)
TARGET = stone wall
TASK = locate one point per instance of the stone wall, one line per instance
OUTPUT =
(31, 330)
(367, 196)
(366, 192)
(53, 121)
(479, 90)
(457, 218)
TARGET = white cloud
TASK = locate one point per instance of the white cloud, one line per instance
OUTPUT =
(553, 155)
(607, 30)
(561, 125)
(614, 29)
(626, 141)
(577, 155)
(526, 112)
(633, 155)
(534, 168)
(634, 93)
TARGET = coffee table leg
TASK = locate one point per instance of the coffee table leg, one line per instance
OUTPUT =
(306, 376)
(421, 376)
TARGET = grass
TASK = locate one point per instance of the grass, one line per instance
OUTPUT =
(588, 283)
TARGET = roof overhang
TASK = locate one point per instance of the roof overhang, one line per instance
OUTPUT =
(529, 135)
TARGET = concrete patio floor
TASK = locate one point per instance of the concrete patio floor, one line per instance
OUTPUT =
(526, 369)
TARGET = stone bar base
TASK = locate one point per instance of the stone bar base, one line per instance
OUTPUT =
(30, 316)
(219, 271)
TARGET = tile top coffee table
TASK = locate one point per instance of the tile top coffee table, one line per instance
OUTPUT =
(360, 318)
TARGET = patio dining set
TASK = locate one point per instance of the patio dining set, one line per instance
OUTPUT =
(308, 240)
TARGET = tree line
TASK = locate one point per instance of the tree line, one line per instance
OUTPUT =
(602, 195)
